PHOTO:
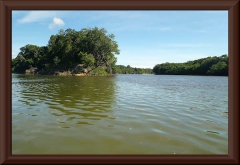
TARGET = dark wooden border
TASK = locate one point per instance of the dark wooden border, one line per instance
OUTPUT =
(6, 6)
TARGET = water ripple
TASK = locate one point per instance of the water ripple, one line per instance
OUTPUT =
(120, 114)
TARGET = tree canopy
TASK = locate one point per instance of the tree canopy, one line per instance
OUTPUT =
(92, 47)
(217, 66)
(95, 50)
(121, 69)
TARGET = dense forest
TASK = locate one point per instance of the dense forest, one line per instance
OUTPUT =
(88, 51)
(216, 66)
(92, 52)
(121, 69)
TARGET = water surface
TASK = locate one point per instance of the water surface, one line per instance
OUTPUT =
(121, 114)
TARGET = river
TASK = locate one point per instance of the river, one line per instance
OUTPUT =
(119, 114)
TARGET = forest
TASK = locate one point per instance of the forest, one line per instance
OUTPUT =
(88, 51)
(92, 51)
(215, 66)
(121, 69)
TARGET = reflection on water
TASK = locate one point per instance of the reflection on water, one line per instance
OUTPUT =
(77, 99)
(122, 114)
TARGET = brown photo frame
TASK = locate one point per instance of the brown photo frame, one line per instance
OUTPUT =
(6, 7)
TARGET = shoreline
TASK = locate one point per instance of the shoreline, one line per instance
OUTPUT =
(92, 75)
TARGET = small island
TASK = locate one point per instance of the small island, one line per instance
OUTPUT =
(78, 53)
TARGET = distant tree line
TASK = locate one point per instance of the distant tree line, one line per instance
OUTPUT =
(216, 66)
(95, 50)
(121, 69)
(92, 47)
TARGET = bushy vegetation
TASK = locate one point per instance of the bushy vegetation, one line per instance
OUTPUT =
(121, 69)
(92, 47)
(98, 71)
(217, 66)
(93, 51)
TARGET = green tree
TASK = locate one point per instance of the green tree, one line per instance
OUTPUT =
(28, 57)
(220, 68)
(91, 47)
(87, 59)
(204, 66)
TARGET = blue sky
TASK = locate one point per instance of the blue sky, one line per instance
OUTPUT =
(145, 38)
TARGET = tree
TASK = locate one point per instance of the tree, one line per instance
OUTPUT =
(86, 58)
(90, 47)
(204, 66)
(28, 57)
(101, 46)
(221, 68)
(121, 69)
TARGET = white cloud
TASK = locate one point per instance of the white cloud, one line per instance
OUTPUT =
(37, 16)
(56, 22)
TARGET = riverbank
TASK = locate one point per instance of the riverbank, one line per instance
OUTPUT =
(77, 70)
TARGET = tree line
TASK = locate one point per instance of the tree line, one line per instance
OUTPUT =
(216, 66)
(95, 50)
(121, 69)
(92, 47)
